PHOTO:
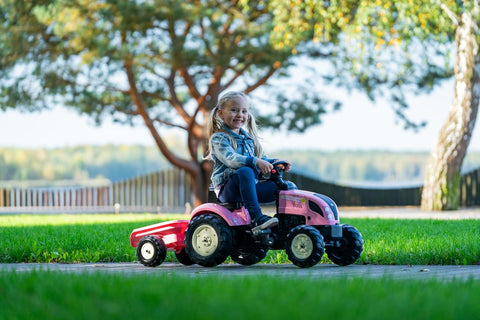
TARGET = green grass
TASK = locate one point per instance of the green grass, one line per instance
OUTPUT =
(168, 295)
(105, 238)
(52, 295)
(71, 238)
(398, 242)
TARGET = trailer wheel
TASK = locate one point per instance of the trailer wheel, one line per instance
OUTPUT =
(305, 246)
(151, 251)
(208, 240)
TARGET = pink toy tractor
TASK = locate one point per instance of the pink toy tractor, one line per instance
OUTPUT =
(308, 226)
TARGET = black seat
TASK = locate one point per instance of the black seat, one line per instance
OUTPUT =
(212, 198)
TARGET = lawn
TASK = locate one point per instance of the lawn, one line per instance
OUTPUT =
(52, 295)
(105, 238)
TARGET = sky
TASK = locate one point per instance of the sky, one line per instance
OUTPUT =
(359, 125)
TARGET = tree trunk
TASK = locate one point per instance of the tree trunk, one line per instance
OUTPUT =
(200, 184)
(442, 181)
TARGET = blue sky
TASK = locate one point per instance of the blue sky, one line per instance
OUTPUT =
(359, 125)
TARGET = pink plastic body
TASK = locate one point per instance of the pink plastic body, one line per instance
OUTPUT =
(293, 202)
(296, 202)
(238, 217)
(171, 232)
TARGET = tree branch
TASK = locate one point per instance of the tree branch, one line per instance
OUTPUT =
(190, 166)
(238, 73)
(174, 101)
(168, 123)
(179, 64)
(156, 119)
(264, 79)
(449, 13)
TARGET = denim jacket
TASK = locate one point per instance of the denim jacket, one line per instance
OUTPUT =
(226, 159)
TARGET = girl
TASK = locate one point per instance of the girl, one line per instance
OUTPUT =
(238, 158)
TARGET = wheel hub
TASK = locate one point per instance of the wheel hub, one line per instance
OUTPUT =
(302, 246)
(205, 240)
(147, 251)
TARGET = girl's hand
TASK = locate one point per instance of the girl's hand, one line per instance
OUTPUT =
(285, 167)
(264, 166)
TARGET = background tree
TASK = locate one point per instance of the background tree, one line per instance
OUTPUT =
(392, 47)
(165, 62)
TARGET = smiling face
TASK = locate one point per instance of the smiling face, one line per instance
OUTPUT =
(235, 114)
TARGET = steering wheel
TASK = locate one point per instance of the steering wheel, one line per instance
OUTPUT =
(276, 175)
(279, 166)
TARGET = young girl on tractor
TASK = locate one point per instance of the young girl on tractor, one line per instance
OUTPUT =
(239, 159)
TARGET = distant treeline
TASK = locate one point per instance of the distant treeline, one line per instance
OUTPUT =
(361, 167)
(110, 162)
(115, 163)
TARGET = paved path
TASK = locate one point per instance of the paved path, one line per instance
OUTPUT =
(326, 271)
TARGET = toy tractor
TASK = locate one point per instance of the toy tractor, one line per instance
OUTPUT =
(308, 226)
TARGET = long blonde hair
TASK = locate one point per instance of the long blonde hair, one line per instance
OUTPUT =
(215, 123)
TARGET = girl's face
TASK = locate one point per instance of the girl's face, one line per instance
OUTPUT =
(235, 114)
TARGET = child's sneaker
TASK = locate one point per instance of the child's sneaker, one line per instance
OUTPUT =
(264, 222)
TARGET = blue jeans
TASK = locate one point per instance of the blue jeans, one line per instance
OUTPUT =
(241, 187)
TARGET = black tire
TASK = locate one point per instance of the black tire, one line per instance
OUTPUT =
(304, 246)
(248, 257)
(151, 251)
(208, 240)
(183, 257)
(351, 247)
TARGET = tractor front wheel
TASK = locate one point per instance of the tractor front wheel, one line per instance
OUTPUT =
(305, 246)
(350, 249)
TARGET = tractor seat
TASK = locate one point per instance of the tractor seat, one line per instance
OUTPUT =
(231, 205)
(212, 198)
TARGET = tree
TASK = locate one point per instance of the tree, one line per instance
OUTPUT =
(393, 46)
(442, 183)
(165, 62)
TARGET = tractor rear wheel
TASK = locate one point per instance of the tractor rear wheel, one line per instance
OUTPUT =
(248, 256)
(208, 240)
(183, 257)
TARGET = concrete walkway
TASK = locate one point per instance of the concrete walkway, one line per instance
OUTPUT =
(325, 271)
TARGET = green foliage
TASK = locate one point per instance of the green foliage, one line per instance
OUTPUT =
(51, 295)
(179, 51)
(177, 55)
(383, 47)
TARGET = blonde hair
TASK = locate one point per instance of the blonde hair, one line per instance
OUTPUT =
(215, 123)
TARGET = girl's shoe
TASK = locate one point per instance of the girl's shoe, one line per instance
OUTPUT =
(264, 222)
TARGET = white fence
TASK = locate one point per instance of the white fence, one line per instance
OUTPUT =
(163, 191)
